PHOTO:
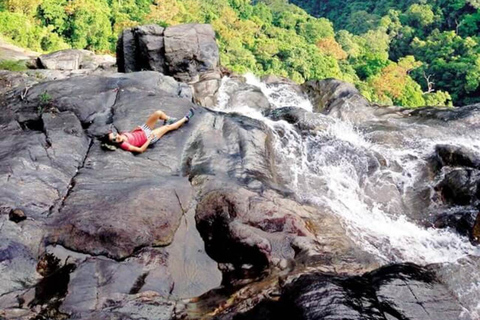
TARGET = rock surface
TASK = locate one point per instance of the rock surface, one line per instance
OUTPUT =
(9, 51)
(392, 292)
(241, 95)
(74, 59)
(338, 98)
(458, 172)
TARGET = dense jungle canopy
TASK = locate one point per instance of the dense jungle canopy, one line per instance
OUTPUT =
(409, 53)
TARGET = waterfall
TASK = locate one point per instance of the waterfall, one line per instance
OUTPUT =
(372, 181)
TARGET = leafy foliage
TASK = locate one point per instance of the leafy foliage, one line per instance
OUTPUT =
(386, 48)
(443, 35)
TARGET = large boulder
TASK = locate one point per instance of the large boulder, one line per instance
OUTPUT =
(183, 51)
(44, 140)
(189, 53)
(462, 220)
(242, 95)
(248, 232)
(460, 186)
(191, 50)
(339, 99)
(141, 48)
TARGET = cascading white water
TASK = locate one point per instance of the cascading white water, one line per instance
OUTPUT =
(331, 169)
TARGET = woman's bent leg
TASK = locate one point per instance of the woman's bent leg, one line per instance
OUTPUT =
(159, 132)
(154, 117)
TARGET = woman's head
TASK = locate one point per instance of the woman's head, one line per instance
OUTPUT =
(114, 137)
(110, 141)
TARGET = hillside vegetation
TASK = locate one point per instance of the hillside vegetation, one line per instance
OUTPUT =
(275, 37)
(441, 34)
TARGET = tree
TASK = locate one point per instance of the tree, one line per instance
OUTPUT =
(438, 99)
(419, 15)
(315, 29)
(90, 26)
(128, 13)
(330, 47)
(394, 83)
(52, 12)
(348, 43)
(242, 7)
(362, 21)
(263, 13)
(27, 7)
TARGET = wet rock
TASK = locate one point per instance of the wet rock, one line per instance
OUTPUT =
(43, 167)
(87, 223)
(54, 170)
(458, 277)
(454, 156)
(244, 95)
(462, 221)
(273, 80)
(414, 293)
(433, 115)
(91, 98)
(307, 122)
(17, 264)
(338, 99)
(392, 292)
(52, 288)
(458, 170)
(192, 271)
(231, 147)
(206, 90)
(460, 186)
(147, 200)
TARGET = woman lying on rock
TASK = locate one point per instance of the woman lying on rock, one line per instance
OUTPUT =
(140, 138)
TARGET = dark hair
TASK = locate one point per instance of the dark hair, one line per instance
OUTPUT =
(107, 144)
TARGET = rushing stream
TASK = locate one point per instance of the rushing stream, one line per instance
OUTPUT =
(374, 176)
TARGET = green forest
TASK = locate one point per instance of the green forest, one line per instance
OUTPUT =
(405, 53)
(442, 35)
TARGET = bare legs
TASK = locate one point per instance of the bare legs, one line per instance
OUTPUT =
(159, 132)
(153, 119)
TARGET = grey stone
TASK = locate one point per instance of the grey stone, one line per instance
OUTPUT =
(73, 59)
(189, 53)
